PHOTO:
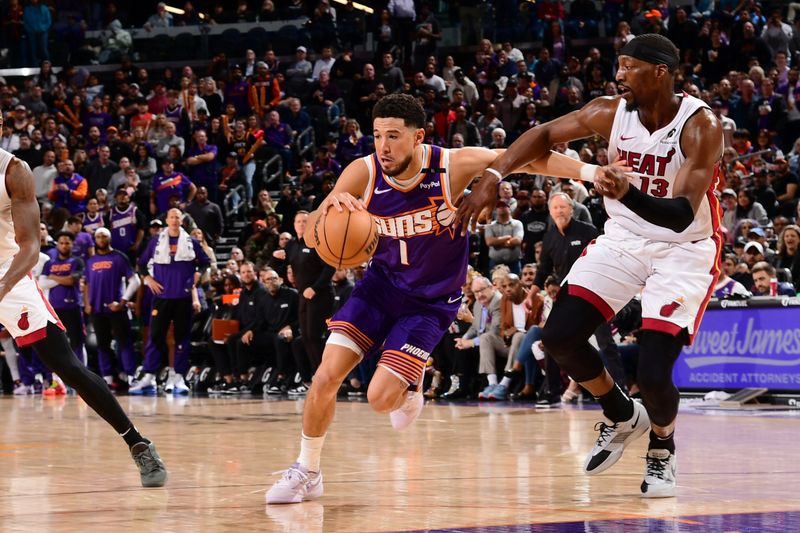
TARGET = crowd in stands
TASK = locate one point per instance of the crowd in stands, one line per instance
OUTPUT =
(245, 147)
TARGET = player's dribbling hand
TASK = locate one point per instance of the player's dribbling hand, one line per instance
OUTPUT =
(342, 200)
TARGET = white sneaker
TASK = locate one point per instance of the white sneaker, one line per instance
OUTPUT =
(296, 485)
(169, 385)
(408, 412)
(20, 389)
(300, 390)
(146, 385)
(613, 439)
(659, 475)
(179, 386)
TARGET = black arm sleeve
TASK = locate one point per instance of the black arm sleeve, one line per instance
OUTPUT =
(673, 213)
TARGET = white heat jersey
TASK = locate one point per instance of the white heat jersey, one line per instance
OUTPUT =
(8, 243)
(656, 159)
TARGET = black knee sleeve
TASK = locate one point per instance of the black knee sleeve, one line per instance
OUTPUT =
(565, 336)
(658, 352)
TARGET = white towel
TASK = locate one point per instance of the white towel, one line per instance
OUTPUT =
(183, 252)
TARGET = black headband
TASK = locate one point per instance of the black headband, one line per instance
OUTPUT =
(657, 53)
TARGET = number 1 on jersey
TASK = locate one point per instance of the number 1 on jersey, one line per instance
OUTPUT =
(403, 252)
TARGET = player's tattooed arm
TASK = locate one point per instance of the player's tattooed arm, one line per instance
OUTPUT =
(25, 214)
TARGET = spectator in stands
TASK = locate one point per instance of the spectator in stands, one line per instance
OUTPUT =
(100, 170)
(787, 256)
(785, 184)
(278, 139)
(280, 311)
(127, 224)
(464, 127)
(160, 19)
(169, 183)
(726, 286)
(352, 144)
(748, 207)
(504, 239)
(201, 162)
(173, 263)
(206, 214)
(44, 175)
(69, 190)
(485, 321)
(313, 282)
(37, 21)
(264, 92)
(763, 274)
(170, 139)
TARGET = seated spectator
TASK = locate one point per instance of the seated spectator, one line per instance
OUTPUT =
(788, 256)
(749, 208)
(486, 321)
(763, 275)
(352, 145)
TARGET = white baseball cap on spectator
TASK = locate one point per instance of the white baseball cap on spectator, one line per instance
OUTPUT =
(753, 244)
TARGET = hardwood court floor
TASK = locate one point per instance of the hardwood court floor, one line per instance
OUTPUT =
(458, 468)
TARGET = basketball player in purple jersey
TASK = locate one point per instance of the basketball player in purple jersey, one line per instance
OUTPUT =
(411, 290)
(662, 239)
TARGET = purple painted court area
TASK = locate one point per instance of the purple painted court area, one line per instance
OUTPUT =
(780, 522)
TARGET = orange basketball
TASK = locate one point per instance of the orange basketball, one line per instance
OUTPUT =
(345, 239)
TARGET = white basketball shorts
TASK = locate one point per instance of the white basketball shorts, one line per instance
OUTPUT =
(25, 311)
(676, 279)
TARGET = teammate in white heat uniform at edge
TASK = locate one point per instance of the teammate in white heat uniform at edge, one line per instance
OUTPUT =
(661, 237)
(29, 318)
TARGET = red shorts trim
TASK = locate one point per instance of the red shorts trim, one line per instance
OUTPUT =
(30, 338)
(654, 324)
(592, 298)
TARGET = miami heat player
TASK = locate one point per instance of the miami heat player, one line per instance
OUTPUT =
(661, 237)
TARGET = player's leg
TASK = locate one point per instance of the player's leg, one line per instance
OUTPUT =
(182, 315)
(155, 347)
(121, 329)
(661, 399)
(600, 283)
(673, 302)
(396, 386)
(102, 330)
(303, 480)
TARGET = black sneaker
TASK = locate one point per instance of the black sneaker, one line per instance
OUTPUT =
(549, 403)
(151, 468)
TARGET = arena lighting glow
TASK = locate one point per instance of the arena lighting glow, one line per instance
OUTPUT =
(179, 11)
(358, 6)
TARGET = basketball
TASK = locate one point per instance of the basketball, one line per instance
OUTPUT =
(345, 239)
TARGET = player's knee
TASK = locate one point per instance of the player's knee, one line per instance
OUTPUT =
(381, 400)
(559, 342)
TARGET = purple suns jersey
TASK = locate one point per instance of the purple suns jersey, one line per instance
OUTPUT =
(91, 224)
(419, 251)
(65, 296)
(123, 228)
(104, 275)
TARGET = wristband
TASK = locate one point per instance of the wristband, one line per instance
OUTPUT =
(495, 172)
(588, 172)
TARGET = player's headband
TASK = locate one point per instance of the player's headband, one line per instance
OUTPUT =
(655, 52)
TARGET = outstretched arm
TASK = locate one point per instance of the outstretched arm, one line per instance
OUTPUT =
(25, 214)
(595, 118)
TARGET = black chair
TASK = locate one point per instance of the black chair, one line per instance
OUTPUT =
(256, 40)
(184, 47)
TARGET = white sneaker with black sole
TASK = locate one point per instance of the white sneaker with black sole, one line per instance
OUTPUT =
(659, 475)
(613, 439)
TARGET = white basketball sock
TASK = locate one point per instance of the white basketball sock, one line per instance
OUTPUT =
(506, 381)
(492, 379)
(310, 452)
